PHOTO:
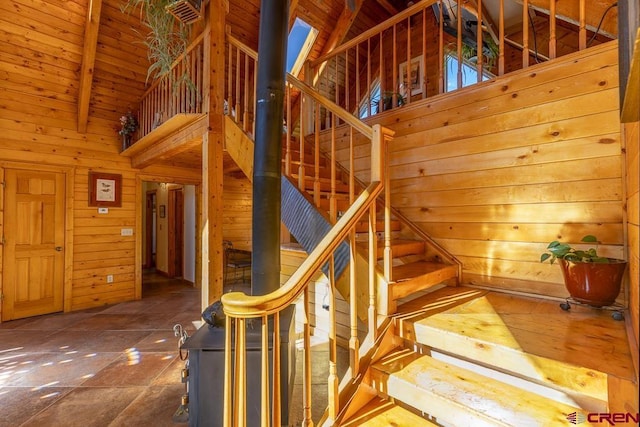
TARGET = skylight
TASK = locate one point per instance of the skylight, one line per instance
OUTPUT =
(301, 38)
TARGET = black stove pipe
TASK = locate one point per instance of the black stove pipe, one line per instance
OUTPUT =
(267, 155)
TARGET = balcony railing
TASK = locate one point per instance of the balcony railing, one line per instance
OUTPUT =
(405, 59)
(179, 92)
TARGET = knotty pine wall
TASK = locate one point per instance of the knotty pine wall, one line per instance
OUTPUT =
(632, 141)
(496, 171)
(41, 45)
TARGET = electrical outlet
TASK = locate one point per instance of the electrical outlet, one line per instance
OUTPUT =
(126, 231)
(109, 278)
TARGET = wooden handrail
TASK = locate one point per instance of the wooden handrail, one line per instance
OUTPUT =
(241, 305)
(344, 115)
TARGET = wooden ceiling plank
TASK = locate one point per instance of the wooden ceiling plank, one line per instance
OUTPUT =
(388, 7)
(88, 62)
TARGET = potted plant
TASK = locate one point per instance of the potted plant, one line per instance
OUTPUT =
(387, 100)
(129, 124)
(590, 279)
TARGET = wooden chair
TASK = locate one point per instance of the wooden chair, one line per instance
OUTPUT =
(235, 259)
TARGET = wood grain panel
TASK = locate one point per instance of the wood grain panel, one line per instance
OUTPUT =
(632, 144)
(496, 171)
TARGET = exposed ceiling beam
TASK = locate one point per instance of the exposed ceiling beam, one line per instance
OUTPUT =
(293, 5)
(342, 27)
(88, 61)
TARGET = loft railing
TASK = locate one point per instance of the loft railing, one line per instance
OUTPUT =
(178, 92)
(368, 74)
(302, 164)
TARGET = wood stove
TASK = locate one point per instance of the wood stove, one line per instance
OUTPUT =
(206, 371)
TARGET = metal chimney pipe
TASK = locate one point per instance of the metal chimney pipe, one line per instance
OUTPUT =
(267, 155)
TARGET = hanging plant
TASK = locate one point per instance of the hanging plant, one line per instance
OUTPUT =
(167, 38)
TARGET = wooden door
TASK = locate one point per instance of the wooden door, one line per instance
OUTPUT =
(150, 230)
(33, 262)
(175, 221)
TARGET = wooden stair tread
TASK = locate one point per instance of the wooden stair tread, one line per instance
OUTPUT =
(380, 412)
(457, 396)
(400, 247)
(413, 270)
(472, 328)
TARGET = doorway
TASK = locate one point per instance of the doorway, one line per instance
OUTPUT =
(169, 227)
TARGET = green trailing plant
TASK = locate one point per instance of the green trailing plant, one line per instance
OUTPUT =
(387, 99)
(167, 38)
(558, 250)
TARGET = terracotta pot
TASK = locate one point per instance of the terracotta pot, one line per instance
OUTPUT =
(596, 284)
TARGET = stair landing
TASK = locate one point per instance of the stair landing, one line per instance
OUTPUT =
(582, 352)
(583, 336)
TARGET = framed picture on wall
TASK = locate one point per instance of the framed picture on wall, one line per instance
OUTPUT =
(416, 75)
(105, 189)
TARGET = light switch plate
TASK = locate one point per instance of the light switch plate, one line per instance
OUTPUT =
(103, 210)
(126, 232)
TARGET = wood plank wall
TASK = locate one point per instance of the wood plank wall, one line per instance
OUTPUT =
(41, 47)
(291, 259)
(238, 197)
(632, 141)
(496, 171)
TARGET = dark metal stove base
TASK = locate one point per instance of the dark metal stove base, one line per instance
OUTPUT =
(206, 371)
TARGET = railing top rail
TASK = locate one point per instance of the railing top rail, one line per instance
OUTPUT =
(238, 304)
(374, 30)
(344, 115)
(189, 48)
(234, 41)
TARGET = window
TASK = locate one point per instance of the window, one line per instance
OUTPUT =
(372, 98)
(469, 73)
(301, 38)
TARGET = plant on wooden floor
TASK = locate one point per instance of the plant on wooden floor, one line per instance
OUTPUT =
(590, 278)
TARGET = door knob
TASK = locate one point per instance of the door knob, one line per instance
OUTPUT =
(58, 248)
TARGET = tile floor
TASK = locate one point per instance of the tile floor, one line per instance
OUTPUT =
(116, 365)
(111, 366)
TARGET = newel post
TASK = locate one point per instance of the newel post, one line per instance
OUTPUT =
(380, 172)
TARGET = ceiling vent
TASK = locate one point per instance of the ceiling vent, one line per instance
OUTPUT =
(186, 11)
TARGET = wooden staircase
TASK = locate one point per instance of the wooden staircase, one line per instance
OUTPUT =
(447, 357)
(469, 357)
(412, 272)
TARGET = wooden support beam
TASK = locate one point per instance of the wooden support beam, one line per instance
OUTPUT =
(293, 5)
(212, 155)
(88, 61)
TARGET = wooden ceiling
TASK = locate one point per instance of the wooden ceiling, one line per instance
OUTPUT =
(101, 63)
